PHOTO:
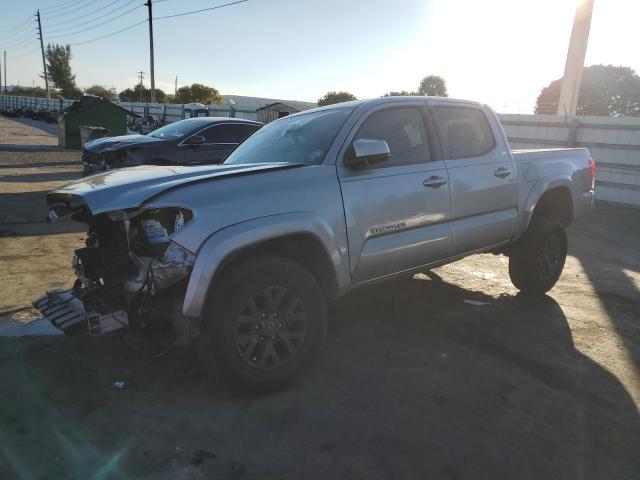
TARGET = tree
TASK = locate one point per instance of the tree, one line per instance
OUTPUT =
(198, 93)
(401, 93)
(606, 90)
(134, 94)
(101, 91)
(433, 85)
(58, 59)
(29, 91)
(335, 97)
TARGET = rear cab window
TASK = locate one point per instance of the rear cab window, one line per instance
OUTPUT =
(464, 131)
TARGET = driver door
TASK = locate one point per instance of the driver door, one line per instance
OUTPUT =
(397, 211)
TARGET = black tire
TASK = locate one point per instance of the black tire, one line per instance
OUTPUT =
(278, 348)
(537, 260)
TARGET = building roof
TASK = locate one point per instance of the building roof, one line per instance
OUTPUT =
(293, 104)
(87, 100)
(252, 104)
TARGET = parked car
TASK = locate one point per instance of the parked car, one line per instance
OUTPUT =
(194, 141)
(248, 255)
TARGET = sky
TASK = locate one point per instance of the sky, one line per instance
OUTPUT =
(499, 52)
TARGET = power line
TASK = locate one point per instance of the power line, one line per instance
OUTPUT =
(62, 5)
(75, 9)
(55, 35)
(17, 48)
(129, 27)
(201, 10)
(25, 54)
(15, 43)
(85, 16)
(18, 29)
(110, 34)
(155, 18)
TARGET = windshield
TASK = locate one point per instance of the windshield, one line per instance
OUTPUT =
(298, 139)
(177, 130)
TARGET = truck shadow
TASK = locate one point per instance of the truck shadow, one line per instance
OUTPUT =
(608, 246)
(413, 382)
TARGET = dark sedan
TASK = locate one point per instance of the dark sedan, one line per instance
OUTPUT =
(194, 141)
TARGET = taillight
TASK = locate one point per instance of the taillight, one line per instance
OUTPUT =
(592, 169)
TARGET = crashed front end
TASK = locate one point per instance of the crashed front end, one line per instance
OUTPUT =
(103, 161)
(130, 273)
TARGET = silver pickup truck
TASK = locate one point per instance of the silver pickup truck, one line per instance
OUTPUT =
(243, 258)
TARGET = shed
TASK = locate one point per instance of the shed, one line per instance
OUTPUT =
(92, 111)
(276, 110)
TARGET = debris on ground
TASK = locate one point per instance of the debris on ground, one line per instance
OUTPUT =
(476, 303)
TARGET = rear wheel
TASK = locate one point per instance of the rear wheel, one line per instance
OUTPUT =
(538, 257)
(265, 324)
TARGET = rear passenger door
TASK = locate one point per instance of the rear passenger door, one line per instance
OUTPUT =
(481, 174)
(397, 210)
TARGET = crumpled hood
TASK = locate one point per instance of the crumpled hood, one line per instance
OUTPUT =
(131, 187)
(105, 144)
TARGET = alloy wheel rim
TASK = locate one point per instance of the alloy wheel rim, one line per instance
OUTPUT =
(270, 328)
(549, 257)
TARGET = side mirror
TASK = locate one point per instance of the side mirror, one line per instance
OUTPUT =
(366, 152)
(195, 140)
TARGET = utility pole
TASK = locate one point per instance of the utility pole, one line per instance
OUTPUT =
(153, 79)
(141, 75)
(175, 88)
(0, 77)
(568, 101)
(44, 64)
(5, 72)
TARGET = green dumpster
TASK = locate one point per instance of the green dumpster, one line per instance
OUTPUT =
(94, 111)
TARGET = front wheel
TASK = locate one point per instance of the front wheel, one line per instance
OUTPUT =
(538, 257)
(264, 324)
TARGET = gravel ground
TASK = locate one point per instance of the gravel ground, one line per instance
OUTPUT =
(413, 381)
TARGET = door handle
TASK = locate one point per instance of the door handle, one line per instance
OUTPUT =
(502, 172)
(434, 182)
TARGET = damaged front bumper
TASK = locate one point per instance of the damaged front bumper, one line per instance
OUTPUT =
(65, 309)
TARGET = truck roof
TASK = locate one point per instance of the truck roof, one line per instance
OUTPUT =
(395, 99)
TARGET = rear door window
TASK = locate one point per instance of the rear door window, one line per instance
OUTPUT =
(464, 132)
(229, 132)
(244, 130)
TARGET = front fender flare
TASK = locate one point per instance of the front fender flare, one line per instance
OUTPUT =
(241, 235)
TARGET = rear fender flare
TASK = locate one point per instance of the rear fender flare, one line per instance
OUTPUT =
(535, 194)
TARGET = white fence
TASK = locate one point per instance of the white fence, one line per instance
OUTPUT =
(172, 111)
(33, 103)
(614, 142)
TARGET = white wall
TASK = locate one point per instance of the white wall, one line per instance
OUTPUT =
(614, 143)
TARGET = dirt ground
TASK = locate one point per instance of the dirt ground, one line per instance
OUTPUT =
(413, 382)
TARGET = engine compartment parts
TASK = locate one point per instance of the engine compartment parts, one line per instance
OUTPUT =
(99, 324)
(128, 259)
